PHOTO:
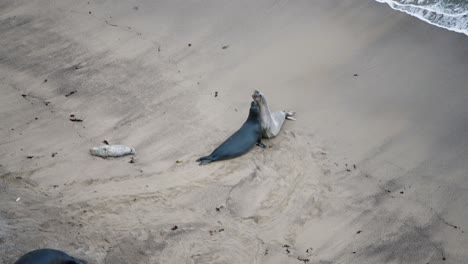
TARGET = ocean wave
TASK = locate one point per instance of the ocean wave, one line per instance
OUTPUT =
(448, 14)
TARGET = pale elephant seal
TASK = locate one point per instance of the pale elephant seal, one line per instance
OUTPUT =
(48, 256)
(241, 141)
(115, 151)
(271, 122)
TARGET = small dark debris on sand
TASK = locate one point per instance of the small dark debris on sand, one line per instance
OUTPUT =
(174, 228)
(388, 191)
(355, 75)
(45, 80)
(225, 47)
(266, 252)
(132, 160)
(354, 166)
(178, 161)
(46, 103)
(235, 109)
(70, 93)
(216, 94)
(212, 232)
(29, 157)
(19, 178)
(89, 12)
(135, 8)
(354, 252)
(348, 170)
(402, 192)
(305, 260)
(74, 119)
(105, 142)
(36, 118)
(359, 232)
(218, 209)
(287, 248)
(54, 154)
(190, 44)
(55, 186)
(24, 95)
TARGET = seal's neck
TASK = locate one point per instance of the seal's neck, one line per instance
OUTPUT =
(265, 114)
(253, 115)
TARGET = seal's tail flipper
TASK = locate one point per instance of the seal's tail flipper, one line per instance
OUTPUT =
(204, 160)
(290, 115)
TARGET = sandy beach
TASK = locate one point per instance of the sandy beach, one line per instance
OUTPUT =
(373, 171)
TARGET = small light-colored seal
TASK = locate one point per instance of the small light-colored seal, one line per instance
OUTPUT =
(271, 122)
(48, 256)
(105, 151)
(249, 135)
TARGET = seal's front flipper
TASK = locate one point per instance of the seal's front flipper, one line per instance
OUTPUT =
(290, 115)
(260, 144)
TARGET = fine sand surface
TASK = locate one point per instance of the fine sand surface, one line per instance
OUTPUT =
(373, 171)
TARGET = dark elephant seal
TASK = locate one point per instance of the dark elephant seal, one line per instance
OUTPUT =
(48, 256)
(271, 122)
(241, 141)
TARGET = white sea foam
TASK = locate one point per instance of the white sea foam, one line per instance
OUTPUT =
(448, 14)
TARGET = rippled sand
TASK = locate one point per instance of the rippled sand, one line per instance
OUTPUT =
(372, 171)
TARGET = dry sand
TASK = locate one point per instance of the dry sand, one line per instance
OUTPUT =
(401, 121)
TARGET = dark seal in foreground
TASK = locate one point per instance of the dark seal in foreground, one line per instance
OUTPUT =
(240, 142)
(48, 256)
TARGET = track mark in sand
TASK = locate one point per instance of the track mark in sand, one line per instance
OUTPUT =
(110, 24)
(133, 250)
(196, 244)
(279, 189)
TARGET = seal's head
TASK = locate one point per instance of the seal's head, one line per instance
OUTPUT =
(253, 112)
(259, 97)
(253, 107)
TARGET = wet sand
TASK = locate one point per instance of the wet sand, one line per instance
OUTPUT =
(372, 171)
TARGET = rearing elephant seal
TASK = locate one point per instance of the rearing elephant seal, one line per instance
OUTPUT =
(48, 256)
(241, 141)
(271, 122)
